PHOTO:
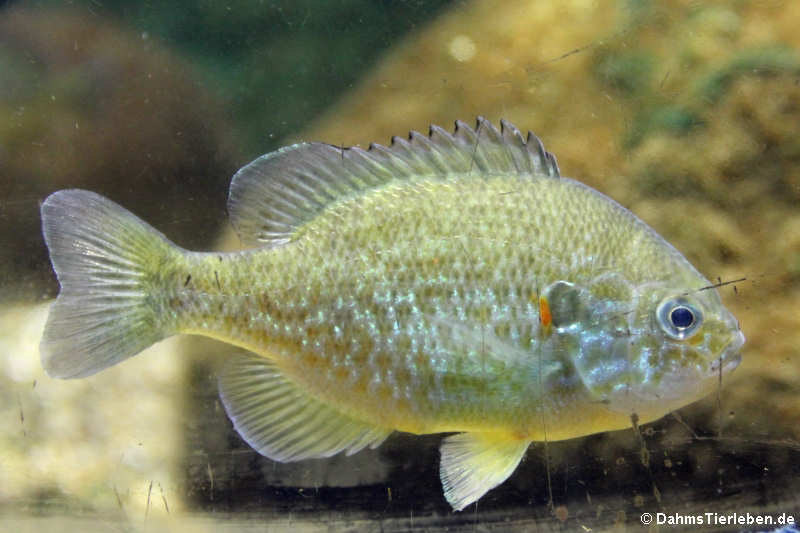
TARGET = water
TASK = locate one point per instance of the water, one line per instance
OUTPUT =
(687, 114)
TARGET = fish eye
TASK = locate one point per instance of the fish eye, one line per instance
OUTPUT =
(681, 317)
(678, 317)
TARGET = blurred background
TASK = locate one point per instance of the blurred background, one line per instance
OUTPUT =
(688, 113)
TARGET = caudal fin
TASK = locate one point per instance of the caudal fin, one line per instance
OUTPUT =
(106, 260)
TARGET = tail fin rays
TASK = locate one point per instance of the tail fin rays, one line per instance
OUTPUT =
(105, 258)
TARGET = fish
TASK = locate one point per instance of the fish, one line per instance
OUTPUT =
(444, 283)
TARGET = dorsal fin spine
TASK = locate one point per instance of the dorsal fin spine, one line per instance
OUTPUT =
(514, 138)
(499, 158)
(433, 153)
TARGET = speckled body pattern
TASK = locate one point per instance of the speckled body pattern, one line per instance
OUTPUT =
(452, 282)
(393, 306)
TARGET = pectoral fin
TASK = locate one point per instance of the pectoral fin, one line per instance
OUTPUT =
(474, 463)
(280, 420)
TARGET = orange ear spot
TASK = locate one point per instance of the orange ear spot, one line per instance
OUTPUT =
(545, 317)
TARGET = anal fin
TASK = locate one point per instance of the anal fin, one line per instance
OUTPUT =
(474, 463)
(281, 421)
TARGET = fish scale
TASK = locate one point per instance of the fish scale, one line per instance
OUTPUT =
(378, 286)
(445, 283)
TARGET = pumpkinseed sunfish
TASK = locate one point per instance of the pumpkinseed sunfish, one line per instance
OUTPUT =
(445, 283)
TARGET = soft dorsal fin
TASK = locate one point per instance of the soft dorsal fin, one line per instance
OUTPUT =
(283, 422)
(278, 192)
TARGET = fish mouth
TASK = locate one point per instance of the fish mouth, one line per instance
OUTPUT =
(731, 356)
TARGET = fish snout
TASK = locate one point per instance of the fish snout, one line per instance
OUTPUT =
(731, 356)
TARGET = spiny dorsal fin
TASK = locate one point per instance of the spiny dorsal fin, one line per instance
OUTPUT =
(279, 420)
(278, 192)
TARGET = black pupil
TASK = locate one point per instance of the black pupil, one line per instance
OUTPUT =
(681, 317)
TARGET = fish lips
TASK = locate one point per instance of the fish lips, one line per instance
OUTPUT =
(730, 357)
